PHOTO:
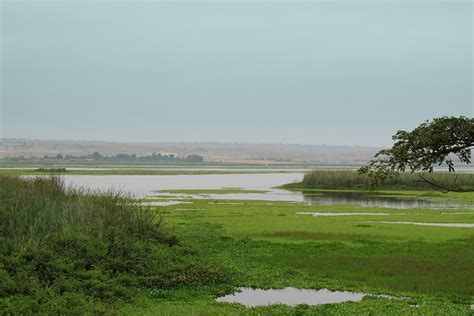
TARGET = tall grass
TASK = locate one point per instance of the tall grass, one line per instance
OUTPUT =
(31, 210)
(72, 251)
(328, 179)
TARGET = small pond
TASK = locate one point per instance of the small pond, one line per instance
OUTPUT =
(163, 203)
(317, 214)
(289, 296)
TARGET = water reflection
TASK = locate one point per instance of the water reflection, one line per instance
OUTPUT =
(372, 200)
(289, 296)
(316, 214)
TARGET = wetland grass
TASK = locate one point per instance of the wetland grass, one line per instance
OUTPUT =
(337, 179)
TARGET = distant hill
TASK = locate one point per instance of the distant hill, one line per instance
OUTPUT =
(212, 152)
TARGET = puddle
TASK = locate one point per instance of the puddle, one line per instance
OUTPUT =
(457, 213)
(426, 224)
(316, 214)
(223, 203)
(289, 296)
(167, 203)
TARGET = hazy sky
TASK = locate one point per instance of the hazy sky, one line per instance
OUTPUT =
(319, 72)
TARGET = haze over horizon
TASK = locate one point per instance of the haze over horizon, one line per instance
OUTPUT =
(322, 73)
(50, 140)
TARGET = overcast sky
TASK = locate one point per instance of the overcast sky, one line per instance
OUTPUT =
(320, 72)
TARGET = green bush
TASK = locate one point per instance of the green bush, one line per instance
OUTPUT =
(67, 251)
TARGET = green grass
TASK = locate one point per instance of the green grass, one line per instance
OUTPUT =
(328, 179)
(267, 245)
(254, 219)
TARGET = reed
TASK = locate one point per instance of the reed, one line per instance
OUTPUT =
(34, 209)
(329, 179)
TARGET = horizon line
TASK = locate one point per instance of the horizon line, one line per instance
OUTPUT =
(185, 142)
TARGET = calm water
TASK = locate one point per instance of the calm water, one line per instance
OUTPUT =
(465, 225)
(146, 186)
(317, 214)
(289, 296)
(371, 200)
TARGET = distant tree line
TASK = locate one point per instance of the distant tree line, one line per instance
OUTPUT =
(155, 157)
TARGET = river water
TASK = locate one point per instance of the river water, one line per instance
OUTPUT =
(148, 185)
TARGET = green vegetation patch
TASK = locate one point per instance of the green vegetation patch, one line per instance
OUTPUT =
(72, 252)
(435, 276)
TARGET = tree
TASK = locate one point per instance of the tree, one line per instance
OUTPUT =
(432, 143)
(195, 158)
(97, 156)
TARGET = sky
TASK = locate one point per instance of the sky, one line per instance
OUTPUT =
(307, 72)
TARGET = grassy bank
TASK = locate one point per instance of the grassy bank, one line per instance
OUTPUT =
(71, 251)
(327, 179)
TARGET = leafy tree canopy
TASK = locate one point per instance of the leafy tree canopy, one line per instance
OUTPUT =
(431, 144)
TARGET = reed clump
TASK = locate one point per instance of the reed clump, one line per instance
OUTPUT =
(335, 179)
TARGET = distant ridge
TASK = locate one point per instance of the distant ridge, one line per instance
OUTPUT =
(265, 153)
